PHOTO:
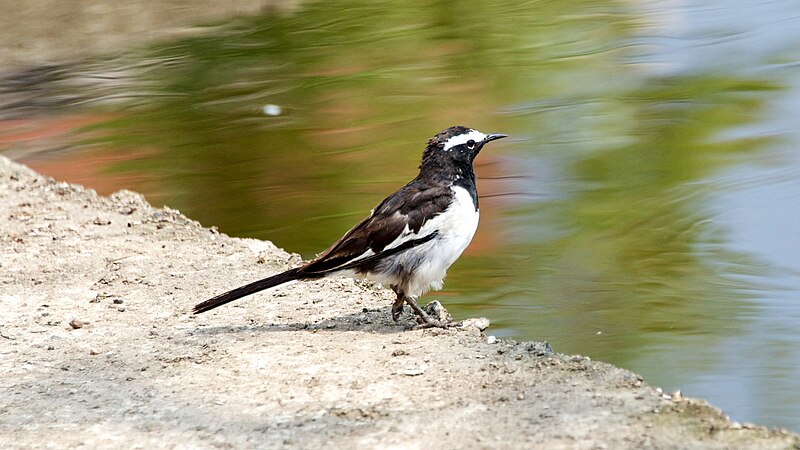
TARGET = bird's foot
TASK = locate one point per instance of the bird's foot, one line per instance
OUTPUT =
(425, 317)
(433, 323)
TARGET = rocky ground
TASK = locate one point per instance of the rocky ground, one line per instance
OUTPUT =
(98, 350)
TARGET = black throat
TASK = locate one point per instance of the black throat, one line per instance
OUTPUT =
(448, 172)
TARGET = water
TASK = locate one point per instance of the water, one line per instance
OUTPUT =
(643, 212)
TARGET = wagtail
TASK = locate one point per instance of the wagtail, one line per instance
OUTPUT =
(411, 238)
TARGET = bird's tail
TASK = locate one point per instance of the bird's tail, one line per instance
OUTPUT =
(252, 288)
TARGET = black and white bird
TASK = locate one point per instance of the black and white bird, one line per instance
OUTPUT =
(411, 238)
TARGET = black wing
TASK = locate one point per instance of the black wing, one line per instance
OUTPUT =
(413, 205)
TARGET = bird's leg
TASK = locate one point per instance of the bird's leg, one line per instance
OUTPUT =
(425, 320)
(397, 306)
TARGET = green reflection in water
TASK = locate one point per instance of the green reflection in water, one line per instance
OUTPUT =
(627, 247)
(362, 85)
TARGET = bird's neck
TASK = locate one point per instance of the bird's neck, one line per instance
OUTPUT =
(448, 172)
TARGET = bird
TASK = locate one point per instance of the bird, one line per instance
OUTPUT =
(411, 238)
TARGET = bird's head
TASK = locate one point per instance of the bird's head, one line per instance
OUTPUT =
(456, 144)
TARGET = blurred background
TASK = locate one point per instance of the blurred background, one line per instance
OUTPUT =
(644, 211)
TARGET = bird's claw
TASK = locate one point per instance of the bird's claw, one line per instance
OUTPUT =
(433, 323)
(425, 319)
(397, 310)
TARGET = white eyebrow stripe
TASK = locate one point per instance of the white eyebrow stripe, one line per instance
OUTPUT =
(474, 135)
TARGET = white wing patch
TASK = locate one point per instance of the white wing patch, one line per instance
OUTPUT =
(474, 135)
(405, 235)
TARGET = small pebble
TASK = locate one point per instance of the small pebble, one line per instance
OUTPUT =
(414, 372)
(118, 301)
(480, 323)
(75, 324)
(491, 340)
(121, 309)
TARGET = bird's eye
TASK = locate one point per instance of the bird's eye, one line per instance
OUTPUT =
(470, 144)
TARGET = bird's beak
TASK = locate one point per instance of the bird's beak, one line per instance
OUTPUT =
(494, 136)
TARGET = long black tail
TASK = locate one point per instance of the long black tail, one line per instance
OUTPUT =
(252, 288)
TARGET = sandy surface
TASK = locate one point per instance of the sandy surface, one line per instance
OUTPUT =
(97, 350)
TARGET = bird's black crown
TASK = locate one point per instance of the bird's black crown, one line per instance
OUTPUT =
(437, 154)
(440, 138)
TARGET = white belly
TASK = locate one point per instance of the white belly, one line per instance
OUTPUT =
(429, 262)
